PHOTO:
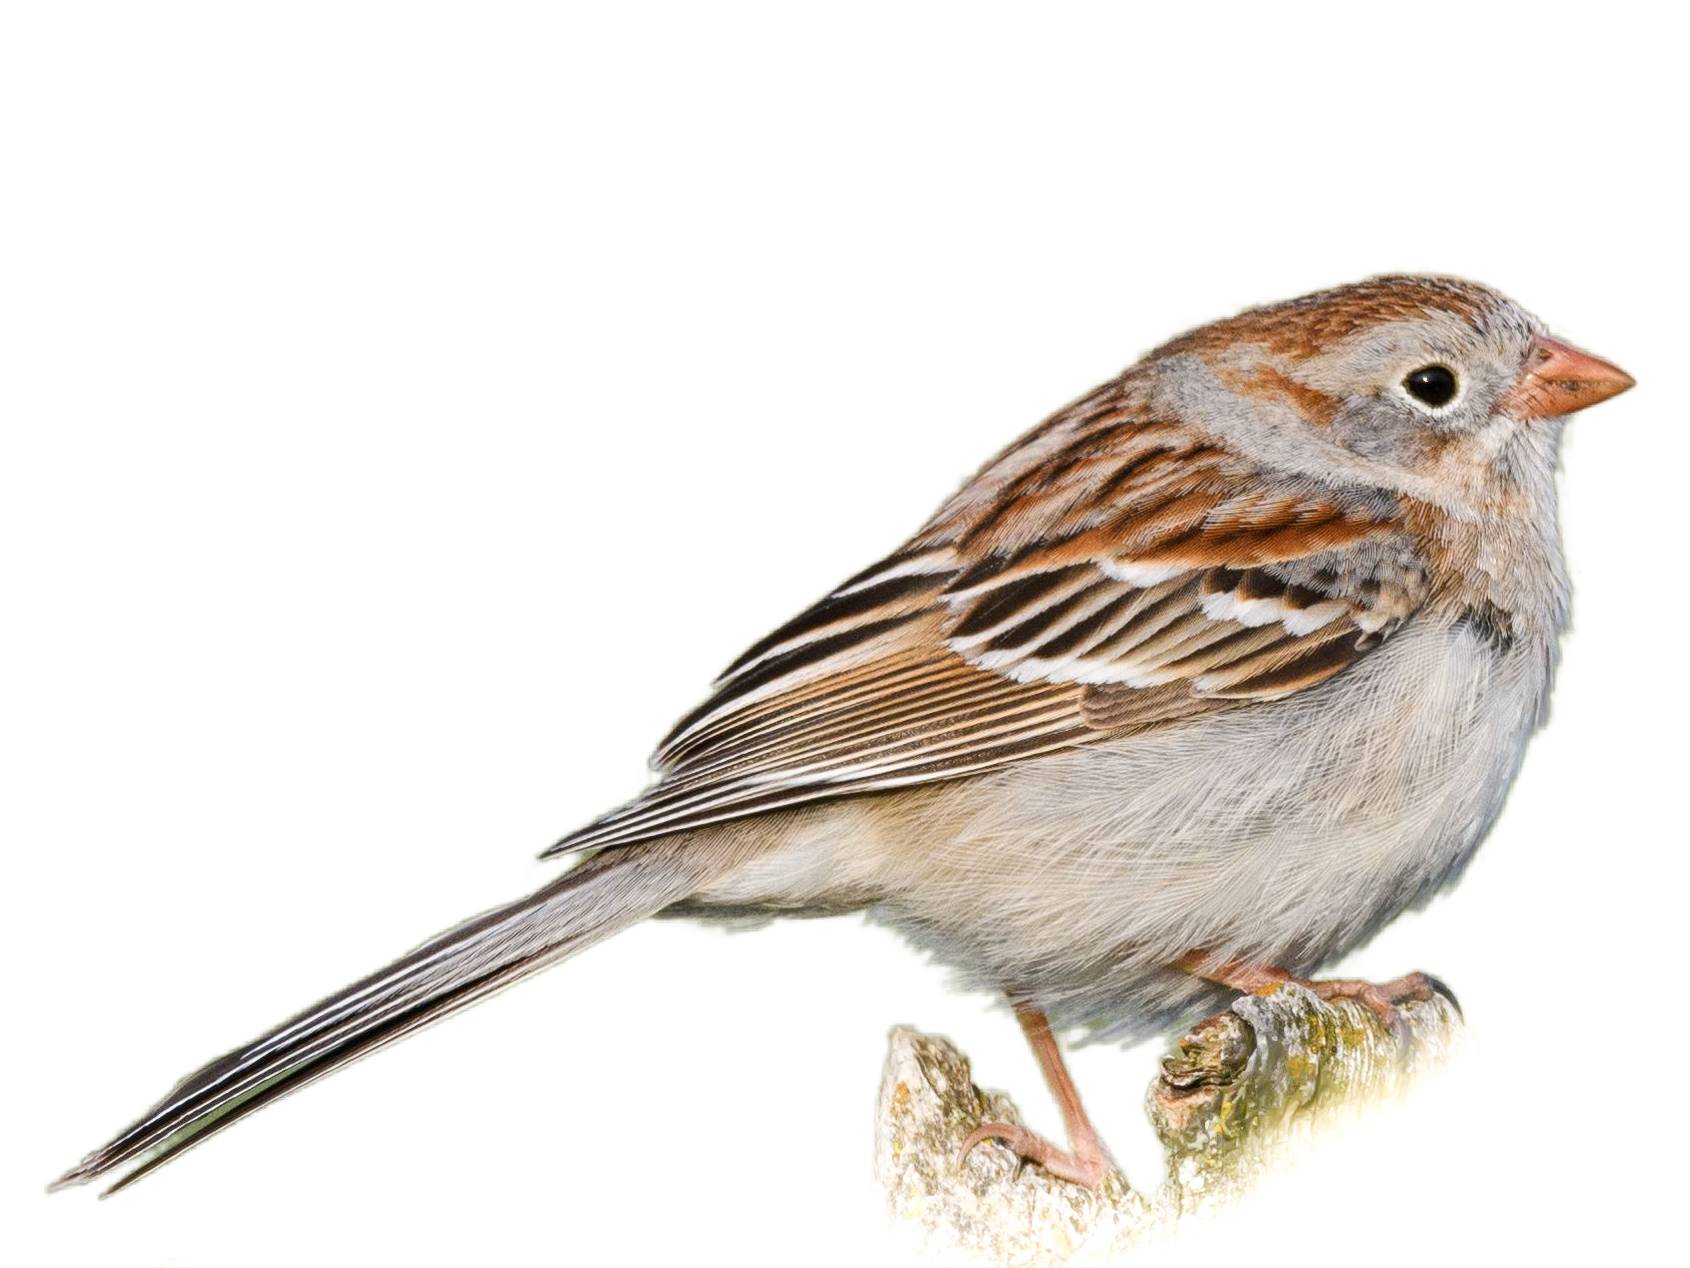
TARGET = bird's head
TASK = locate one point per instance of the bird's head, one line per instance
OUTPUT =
(1446, 387)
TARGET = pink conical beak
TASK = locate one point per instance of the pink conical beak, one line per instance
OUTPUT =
(1559, 379)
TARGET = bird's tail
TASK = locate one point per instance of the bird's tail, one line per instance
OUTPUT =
(467, 963)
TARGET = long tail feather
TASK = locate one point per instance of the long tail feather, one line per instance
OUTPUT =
(449, 972)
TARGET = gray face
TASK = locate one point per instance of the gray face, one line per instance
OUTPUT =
(1392, 382)
(1364, 427)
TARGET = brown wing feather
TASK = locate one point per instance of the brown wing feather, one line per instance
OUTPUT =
(1100, 577)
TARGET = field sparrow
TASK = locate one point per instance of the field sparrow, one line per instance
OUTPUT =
(1190, 689)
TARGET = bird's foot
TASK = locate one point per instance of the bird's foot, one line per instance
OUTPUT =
(1085, 1161)
(1382, 998)
(1085, 1164)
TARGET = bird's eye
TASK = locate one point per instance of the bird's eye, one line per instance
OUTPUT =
(1432, 385)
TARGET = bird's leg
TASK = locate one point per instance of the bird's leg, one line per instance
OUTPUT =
(1085, 1161)
(1258, 979)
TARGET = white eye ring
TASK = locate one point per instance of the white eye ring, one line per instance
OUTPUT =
(1433, 388)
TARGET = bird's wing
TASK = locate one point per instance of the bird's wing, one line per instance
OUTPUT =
(1107, 573)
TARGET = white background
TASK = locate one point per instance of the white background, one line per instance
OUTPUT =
(409, 408)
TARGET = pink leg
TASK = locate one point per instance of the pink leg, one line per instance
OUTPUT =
(1085, 1161)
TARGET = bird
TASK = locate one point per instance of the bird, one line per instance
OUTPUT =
(1190, 690)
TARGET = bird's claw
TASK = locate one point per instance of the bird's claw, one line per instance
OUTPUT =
(1083, 1167)
(1383, 998)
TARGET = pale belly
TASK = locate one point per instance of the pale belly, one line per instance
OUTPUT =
(1282, 833)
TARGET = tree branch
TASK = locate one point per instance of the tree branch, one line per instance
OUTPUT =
(1234, 1094)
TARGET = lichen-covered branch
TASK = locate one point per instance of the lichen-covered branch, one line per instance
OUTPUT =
(1234, 1094)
